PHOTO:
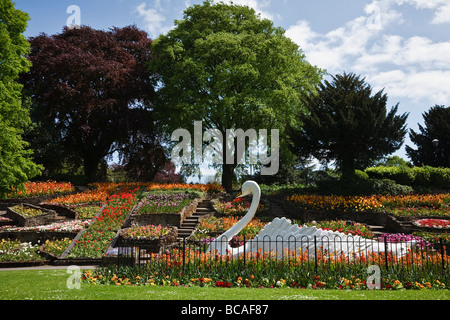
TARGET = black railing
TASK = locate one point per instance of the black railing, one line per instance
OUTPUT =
(313, 251)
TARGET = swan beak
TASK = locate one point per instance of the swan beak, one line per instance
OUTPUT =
(239, 195)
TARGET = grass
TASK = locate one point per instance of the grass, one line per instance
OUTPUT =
(52, 285)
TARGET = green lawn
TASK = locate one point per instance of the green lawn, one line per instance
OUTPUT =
(52, 285)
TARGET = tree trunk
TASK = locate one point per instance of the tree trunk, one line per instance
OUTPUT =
(228, 169)
(348, 169)
(228, 177)
(91, 168)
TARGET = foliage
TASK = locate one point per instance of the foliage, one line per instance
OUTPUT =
(16, 164)
(223, 60)
(417, 177)
(436, 127)
(360, 185)
(346, 123)
(92, 96)
(395, 161)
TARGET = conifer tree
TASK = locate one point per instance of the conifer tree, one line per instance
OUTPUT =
(350, 125)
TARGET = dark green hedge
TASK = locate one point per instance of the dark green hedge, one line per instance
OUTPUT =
(427, 177)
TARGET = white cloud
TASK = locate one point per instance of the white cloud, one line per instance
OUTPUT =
(415, 68)
(155, 20)
(441, 8)
(442, 14)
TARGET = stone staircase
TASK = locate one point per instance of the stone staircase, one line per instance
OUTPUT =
(378, 230)
(191, 223)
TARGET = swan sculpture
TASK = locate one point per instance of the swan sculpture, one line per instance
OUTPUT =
(280, 235)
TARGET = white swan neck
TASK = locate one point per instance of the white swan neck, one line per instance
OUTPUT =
(247, 218)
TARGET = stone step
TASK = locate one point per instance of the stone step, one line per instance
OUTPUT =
(378, 230)
(200, 214)
(204, 205)
(189, 225)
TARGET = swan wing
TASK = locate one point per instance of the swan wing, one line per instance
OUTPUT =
(279, 229)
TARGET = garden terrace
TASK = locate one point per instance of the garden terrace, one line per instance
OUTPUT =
(87, 222)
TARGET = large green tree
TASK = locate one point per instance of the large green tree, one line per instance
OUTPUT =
(350, 125)
(433, 140)
(16, 165)
(226, 66)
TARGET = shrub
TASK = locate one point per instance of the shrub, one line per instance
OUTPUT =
(362, 186)
(428, 177)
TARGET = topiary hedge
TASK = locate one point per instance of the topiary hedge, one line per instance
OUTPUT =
(427, 177)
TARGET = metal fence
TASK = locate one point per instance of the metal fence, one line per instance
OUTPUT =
(312, 251)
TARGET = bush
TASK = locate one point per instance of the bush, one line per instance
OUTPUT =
(361, 185)
(424, 177)
(361, 175)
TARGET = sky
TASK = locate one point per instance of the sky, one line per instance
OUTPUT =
(401, 46)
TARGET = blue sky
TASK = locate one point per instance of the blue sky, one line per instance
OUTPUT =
(401, 46)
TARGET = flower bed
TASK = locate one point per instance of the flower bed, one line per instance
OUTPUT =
(69, 226)
(165, 203)
(404, 238)
(437, 204)
(335, 203)
(353, 228)
(5, 221)
(28, 215)
(18, 251)
(54, 248)
(433, 223)
(153, 238)
(166, 209)
(36, 234)
(236, 208)
(211, 227)
(96, 240)
(85, 198)
(436, 228)
(296, 271)
(33, 189)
